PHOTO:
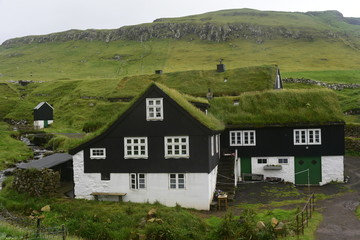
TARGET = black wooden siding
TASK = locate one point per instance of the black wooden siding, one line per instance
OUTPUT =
(133, 123)
(278, 141)
(45, 112)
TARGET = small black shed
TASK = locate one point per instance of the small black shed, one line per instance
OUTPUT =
(43, 115)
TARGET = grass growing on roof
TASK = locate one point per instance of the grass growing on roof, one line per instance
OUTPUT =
(207, 120)
(278, 108)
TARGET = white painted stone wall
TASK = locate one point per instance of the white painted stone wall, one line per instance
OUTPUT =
(40, 123)
(287, 172)
(332, 169)
(198, 193)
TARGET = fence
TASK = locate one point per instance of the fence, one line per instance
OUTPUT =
(47, 232)
(302, 218)
(35, 233)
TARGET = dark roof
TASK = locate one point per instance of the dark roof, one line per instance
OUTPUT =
(41, 104)
(206, 120)
(47, 162)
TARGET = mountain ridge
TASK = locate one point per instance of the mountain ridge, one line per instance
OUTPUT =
(218, 26)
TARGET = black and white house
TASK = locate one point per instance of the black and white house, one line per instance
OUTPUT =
(299, 138)
(161, 148)
(43, 115)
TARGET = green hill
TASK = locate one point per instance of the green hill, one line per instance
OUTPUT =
(297, 42)
(90, 76)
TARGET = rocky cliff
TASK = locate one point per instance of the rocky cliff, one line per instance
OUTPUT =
(203, 28)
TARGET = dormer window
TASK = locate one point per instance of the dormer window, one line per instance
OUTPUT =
(154, 109)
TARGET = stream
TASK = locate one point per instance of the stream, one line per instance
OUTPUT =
(39, 153)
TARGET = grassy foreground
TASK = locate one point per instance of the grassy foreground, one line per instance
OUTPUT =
(111, 220)
(12, 150)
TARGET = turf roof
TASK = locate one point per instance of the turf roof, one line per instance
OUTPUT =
(207, 120)
(278, 107)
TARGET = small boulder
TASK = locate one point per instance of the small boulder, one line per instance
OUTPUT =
(280, 227)
(260, 225)
(46, 208)
(274, 222)
(151, 213)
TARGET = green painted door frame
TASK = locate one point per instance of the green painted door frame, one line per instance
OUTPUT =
(301, 173)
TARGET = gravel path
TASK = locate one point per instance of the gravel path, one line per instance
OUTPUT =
(340, 221)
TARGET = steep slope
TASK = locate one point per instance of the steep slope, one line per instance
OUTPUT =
(295, 41)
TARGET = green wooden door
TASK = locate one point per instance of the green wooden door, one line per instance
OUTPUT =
(245, 165)
(301, 173)
(46, 123)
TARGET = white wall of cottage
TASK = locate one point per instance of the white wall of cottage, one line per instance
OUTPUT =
(332, 169)
(287, 172)
(198, 193)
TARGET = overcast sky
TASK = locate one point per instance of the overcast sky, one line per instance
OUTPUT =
(34, 17)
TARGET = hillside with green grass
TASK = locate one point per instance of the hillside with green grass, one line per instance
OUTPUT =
(90, 76)
(297, 42)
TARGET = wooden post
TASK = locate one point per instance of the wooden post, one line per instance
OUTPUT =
(37, 235)
(302, 222)
(297, 225)
(313, 199)
(63, 232)
(307, 215)
(310, 207)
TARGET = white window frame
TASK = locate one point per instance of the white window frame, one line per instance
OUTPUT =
(176, 143)
(137, 181)
(283, 160)
(307, 136)
(314, 136)
(212, 145)
(135, 144)
(95, 153)
(300, 137)
(235, 138)
(177, 181)
(249, 138)
(262, 160)
(217, 139)
(154, 110)
(243, 138)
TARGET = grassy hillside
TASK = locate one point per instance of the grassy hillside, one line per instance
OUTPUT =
(100, 60)
(81, 102)
(297, 42)
(82, 78)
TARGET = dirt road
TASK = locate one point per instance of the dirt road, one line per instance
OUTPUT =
(340, 221)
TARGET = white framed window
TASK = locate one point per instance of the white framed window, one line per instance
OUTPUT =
(137, 181)
(249, 138)
(97, 153)
(314, 136)
(177, 181)
(176, 147)
(212, 145)
(283, 160)
(235, 138)
(300, 136)
(135, 147)
(262, 161)
(307, 136)
(243, 138)
(154, 109)
(217, 140)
